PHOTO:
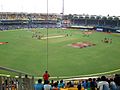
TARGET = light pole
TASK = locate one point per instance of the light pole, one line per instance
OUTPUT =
(63, 7)
(47, 34)
(62, 14)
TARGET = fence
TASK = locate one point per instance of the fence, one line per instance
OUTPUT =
(23, 81)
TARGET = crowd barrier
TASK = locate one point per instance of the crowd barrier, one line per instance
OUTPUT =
(23, 81)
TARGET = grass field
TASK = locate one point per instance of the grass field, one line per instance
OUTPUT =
(24, 53)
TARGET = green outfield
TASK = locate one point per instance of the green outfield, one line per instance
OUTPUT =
(26, 52)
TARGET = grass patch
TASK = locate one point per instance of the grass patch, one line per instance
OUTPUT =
(30, 54)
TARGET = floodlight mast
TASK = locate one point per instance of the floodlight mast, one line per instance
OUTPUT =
(47, 34)
(48, 26)
(63, 7)
(62, 13)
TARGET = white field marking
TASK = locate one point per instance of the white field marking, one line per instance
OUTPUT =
(113, 71)
(86, 76)
(53, 37)
(90, 75)
(96, 74)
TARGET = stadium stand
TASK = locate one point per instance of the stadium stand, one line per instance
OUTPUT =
(11, 20)
(26, 20)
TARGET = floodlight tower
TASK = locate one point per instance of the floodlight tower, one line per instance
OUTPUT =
(63, 7)
(47, 33)
(62, 14)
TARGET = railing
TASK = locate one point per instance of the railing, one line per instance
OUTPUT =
(23, 81)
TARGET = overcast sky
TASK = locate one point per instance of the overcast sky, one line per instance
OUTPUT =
(92, 7)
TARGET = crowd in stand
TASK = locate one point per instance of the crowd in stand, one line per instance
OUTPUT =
(29, 26)
(26, 16)
(101, 83)
(27, 83)
(68, 20)
(12, 20)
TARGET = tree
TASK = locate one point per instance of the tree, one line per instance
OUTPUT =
(98, 18)
(116, 19)
(70, 16)
(86, 19)
(92, 17)
(104, 20)
(110, 18)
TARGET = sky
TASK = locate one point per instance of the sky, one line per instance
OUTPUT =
(91, 7)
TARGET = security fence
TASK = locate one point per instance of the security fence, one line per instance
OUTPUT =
(23, 81)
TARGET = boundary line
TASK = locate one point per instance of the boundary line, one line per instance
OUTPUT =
(83, 76)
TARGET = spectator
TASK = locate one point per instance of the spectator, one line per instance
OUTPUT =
(79, 86)
(93, 84)
(26, 82)
(52, 83)
(46, 77)
(89, 83)
(112, 84)
(61, 84)
(39, 85)
(70, 84)
(117, 81)
(47, 86)
(55, 86)
(85, 84)
(103, 84)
